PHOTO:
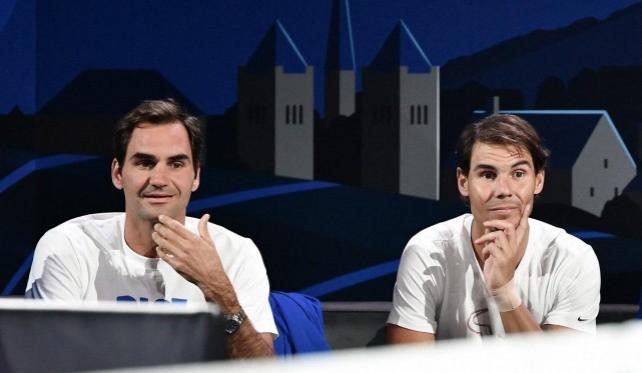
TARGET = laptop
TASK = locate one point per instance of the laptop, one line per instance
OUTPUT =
(38, 336)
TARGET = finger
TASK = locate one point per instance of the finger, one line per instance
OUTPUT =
(488, 237)
(202, 228)
(175, 226)
(500, 225)
(504, 244)
(492, 250)
(523, 222)
(167, 246)
(164, 254)
(170, 235)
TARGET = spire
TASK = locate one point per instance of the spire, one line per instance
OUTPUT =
(277, 49)
(401, 49)
(340, 47)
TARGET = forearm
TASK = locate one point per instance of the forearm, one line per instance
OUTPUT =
(519, 320)
(246, 342)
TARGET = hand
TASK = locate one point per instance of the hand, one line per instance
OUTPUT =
(504, 248)
(195, 258)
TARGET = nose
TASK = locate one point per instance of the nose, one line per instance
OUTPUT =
(502, 187)
(158, 176)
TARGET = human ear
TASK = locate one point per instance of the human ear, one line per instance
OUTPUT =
(116, 175)
(197, 180)
(462, 182)
(539, 181)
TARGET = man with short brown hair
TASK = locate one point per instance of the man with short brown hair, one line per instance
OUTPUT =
(495, 271)
(153, 252)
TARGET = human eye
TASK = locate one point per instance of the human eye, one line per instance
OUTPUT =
(144, 163)
(519, 173)
(177, 164)
(487, 175)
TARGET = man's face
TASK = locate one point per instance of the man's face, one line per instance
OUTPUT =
(157, 175)
(500, 183)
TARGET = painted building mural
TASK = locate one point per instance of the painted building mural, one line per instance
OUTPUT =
(330, 124)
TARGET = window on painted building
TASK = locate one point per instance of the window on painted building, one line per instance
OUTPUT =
(412, 114)
(300, 114)
(425, 114)
(388, 114)
(606, 163)
(254, 114)
(592, 192)
(263, 116)
(287, 114)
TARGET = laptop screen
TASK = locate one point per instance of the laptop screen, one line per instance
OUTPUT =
(38, 336)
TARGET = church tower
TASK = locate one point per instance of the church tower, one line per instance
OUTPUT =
(400, 118)
(276, 108)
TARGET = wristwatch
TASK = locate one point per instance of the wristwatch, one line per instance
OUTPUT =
(233, 321)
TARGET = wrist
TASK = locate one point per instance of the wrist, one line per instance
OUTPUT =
(233, 321)
(223, 295)
(506, 297)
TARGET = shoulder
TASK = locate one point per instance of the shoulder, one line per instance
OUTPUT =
(441, 238)
(555, 244)
(446, 231)
(93, 227)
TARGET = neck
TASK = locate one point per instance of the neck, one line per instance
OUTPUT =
(138, 236)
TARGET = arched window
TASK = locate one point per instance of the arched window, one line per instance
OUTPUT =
(425, 114)
(287, 114)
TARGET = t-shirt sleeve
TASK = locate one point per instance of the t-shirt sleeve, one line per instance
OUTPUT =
(577, 298)
(417, 292)
(253, 290)
(55, 270)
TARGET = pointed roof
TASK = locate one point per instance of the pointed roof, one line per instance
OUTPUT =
(277, 49)
(340, 48)
(401, 49)
(16, 112)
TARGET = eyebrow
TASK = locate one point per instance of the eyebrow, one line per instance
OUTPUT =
(145, 156)
(179, 157)
(482, 166)
(142, 156)
(522, 163)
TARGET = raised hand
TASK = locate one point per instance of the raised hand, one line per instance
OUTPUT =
(194, 257)
(504, 246)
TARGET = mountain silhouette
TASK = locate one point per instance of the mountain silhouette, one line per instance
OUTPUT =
(112, 92)
(525, 61)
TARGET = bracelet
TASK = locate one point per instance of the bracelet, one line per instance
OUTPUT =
(506, 297)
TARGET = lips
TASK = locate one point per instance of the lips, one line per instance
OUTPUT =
(503, 209)
(157, 197)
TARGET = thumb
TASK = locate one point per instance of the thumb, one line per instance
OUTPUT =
(202, 227)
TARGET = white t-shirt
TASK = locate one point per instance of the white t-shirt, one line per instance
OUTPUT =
(440, 287)
(86, 258)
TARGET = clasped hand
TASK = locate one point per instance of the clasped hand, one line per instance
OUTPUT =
(504, 246)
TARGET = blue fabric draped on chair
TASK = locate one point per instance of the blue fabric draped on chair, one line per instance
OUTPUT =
(299, 320)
